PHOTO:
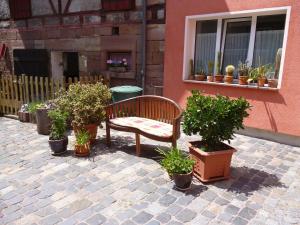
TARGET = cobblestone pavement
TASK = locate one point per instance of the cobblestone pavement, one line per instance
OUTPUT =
(113, 186)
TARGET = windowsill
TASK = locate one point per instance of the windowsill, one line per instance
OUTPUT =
(234, 85)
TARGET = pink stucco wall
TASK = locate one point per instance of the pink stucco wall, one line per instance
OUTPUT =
(277, 111)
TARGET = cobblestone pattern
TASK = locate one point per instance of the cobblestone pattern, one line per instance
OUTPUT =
(113, 186)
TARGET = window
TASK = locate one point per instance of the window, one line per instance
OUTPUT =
(118, 5)
(257, 37)
(20, 9)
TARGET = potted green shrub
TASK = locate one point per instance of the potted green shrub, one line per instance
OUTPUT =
(32, 107)
(58, 141)
(243, 71)
(179, 166)
(219, 77)
(85, 104)
(229, 74)
(215, 119)
(82, 146)
(24, 113)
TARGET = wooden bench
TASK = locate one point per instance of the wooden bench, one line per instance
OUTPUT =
(154, 117)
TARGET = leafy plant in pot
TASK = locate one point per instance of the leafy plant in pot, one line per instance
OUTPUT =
(210, 66)
(82, 146)
(243, 70)
(200, 76)
(32, 108)
(215, 119)
(229, 74)
(179, 166)
(86, 105)
(219, 77)
(24, 113)
(58, 141)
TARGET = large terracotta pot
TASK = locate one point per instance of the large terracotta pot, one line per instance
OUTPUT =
(211, 166)
(58, 147)
(183, 181)
(261, 82)
(219, 78)
(243, 80)
(200, 77)
(82, 150)
(43, 121)
(23, 116)
(210, 78)
(91, 129)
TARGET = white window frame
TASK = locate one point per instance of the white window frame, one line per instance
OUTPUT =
(190, 34)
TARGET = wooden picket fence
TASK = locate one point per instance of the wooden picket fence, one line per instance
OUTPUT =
(17, 90)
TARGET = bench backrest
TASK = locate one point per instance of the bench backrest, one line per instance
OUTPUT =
(147, 106)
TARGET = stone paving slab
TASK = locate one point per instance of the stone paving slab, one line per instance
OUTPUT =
(113, 186)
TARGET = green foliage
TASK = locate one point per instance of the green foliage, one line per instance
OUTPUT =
(219, 63)
(33, 106)
(59, 125)
(260, 72)
(230, 69)
(214, 118)
(201, 71)
(176, 161)
(244, 69)
(84, 102)
(210, 67)
(82, 137)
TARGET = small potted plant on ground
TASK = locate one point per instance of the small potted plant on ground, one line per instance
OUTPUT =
(82, 146)
(215, 119)
(24, 113)
(243, 70)
(85, 104)
(32, 107)
(210, 66)
(179, 166)
(58, 141)
(229, 74)
(219, 77)
(42, 118)
(200, 76)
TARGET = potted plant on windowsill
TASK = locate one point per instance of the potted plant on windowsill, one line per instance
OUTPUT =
(210, 66)
(82, 146)
(85, 104)
(200, 76)
(215, 119)
(191, 73)
(24, 113)
(219, 77)
(229, 74)
(273, 76)
(58, 141)
(179, 166)
(243, 70)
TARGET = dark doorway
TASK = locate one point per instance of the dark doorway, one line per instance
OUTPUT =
(71, 64)
(34, 62)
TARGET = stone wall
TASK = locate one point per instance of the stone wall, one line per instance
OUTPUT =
(92, 35)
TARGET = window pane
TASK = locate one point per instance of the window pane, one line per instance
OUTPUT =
(206, 35)
(268, 39)
(236, 43)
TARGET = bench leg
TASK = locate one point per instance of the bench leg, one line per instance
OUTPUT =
(138, 144)
(174, 143)
(108, 142)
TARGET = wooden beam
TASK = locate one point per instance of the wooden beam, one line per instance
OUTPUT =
(67, 6)
(52, 7)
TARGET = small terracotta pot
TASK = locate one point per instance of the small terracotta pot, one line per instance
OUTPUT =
(219, 78)
(211, 166)
(261, 82)
(273, 83)
(183, 181)
(23, 117)
(243, 80)
(210, 78)
(200, 77)
(91, 129)
(228, 79)
(82, 150)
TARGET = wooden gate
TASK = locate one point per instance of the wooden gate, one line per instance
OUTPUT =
(17, 90)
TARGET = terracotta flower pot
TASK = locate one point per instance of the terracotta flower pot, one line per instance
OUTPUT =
(82, 150)
(211, 166)
(261, 82)
(219, 78)
(58, 147)
(228, 79)
(23, 116)
(43, 121)
(243, 80)
(91, 129)
(183, 181)
(200, 77)
(210, 78)
(273, 83)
